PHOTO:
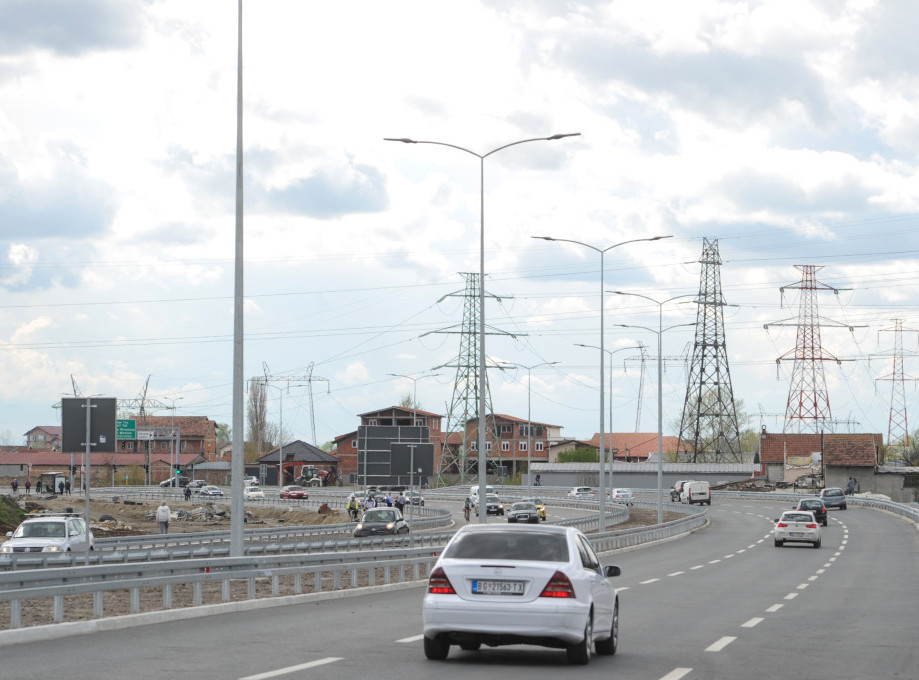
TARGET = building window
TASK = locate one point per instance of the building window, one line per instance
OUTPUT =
(488, 446)
(183, 446)
(539, 446)
(505, 428)
(523, 446)
(911, 481)
(474, 445)
(419, 422)
(505, 446)
(373, 421)
(353, 443)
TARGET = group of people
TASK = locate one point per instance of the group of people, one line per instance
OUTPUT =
(63, 487)
(355, 507)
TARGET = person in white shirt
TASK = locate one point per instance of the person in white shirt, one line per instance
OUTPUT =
(163, 515)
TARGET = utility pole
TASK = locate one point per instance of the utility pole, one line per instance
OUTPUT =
(897, 428)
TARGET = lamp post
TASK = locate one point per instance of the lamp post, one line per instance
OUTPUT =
(529, 417)
(660, 392)
(602, 452)
(612, 456)
(482, 461)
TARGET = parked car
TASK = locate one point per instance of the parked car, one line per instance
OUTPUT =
(624, 496)
(210, 490)
(539, 506)
(174, 481)
(381, 521)
(551, 591)
(833, 497)
(582, 492)
(523, 512)
(50, 533)
(253, 492)
(196, 484)
(797, 526)
(294, 491)
(814, 505)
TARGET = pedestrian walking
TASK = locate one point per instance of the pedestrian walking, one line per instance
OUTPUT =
(67, 487)
(163, 515)
(60, 488)
(15, 485)
(28, 486)
(187, 493)
(38, 486)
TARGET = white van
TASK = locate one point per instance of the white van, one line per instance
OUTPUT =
(696, 492)
(474, 493)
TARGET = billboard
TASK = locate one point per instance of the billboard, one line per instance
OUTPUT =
(101, 424)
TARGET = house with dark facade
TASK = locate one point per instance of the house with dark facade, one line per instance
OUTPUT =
(293, 457)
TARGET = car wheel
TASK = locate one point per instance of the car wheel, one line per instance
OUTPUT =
(843, 507)
(579, 654)
(817, 543)
(778, 543)
(435, 649)
(609, 646)
(471, 646)
(825, 522)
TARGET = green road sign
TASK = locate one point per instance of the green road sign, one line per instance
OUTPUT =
(125, 428)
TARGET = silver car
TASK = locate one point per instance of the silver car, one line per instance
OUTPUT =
(797, 526)
(50, 533)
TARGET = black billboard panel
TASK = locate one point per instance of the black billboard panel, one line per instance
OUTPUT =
(101, 424)
(405, 462)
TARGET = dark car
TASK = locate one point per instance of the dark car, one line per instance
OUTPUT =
(381, 522)
(493, 506)
(814, 505)
(523, 511)
(294, 491)
(833, 498)
(175, 481)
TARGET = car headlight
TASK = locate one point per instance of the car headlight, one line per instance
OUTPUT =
(359, 527)
(390, 525)
(6, 548)
(53, 548)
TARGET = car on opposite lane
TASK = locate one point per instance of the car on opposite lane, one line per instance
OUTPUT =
(540, 505)
(499, 585)
(493, 505)
(582, 492)
(624, 496)
(381, 522)
(50, 533)
(210, 490)
(523, 512)
(797, 526)
(814, 505)
(294, 491)
(253, 492)
(833, 497)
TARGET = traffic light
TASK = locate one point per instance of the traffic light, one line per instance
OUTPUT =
(146, 468)
(114, 467)
(73, 469)
(178, 472)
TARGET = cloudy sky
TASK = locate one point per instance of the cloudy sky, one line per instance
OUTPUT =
(786, 130)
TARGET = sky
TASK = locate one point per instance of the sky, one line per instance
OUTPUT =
(787, 131)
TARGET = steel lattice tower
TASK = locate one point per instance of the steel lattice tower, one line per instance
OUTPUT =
(465, 400)
(709, 423)
(808, 406)
(897, 428)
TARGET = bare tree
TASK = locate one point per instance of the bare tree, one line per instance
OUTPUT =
(257, 417)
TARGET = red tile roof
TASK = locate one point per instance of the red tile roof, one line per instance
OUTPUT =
(840, 449)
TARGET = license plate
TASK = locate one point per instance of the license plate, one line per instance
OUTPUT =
(497, 587)
(795, 533)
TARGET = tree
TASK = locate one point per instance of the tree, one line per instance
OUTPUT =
(582, 454)
(407, 401)
(224, 434)
(257, 418)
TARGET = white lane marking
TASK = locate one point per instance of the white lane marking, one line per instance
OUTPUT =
(623, 587)
(714, 561)
(791, 596)
(292, 669)
(752, 622)
(813, 578)
(720, 644)
(677, 673)
(774, 608)
(698, 566)
(752, 545)
(802, 586)
(650, 580)
(676, 573)
(727, 557)
(821, 571)
(413, 638)
(742, 550)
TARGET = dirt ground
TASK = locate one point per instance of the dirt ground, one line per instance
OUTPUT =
(134, 519)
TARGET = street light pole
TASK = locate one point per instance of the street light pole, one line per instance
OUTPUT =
(602, 450)
(174, 458)
(610, 405)
(660, 391)
(482, 460)
(530, 417)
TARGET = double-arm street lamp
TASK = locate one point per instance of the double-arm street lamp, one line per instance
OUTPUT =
(612, 451)
(482, 460)
(602, 452)
(660, 393)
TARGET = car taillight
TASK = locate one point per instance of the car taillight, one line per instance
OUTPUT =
(782, 525)
(439, 584)
(558, 586)
(811, 526)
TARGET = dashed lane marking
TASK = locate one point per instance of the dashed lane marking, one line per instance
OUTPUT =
(752, 622)
(677, 673)
(292, 669)
(774, 608)
(720, 644)
(413, 638)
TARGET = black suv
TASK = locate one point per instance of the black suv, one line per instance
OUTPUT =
(814, 505)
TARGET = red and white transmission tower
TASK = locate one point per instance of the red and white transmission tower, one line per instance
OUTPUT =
(897, 428)
(808, 407)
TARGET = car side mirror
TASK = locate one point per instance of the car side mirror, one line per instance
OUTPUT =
(9, 534)
(611, 570)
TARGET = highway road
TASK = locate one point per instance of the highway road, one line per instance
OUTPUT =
(722, 603)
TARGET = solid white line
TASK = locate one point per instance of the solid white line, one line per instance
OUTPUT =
(774, 608)
(752, 622)
(413, 638)
(677, 673)
(720, 644)
(293, 669)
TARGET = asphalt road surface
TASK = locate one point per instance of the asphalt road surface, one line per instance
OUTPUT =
(722, 603)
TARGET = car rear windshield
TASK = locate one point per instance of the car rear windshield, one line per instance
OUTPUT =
(798, 517)
(833, 492)
(509, 545)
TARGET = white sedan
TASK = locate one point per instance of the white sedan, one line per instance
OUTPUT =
(624, 496)
(797, 526)
(505, 585)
